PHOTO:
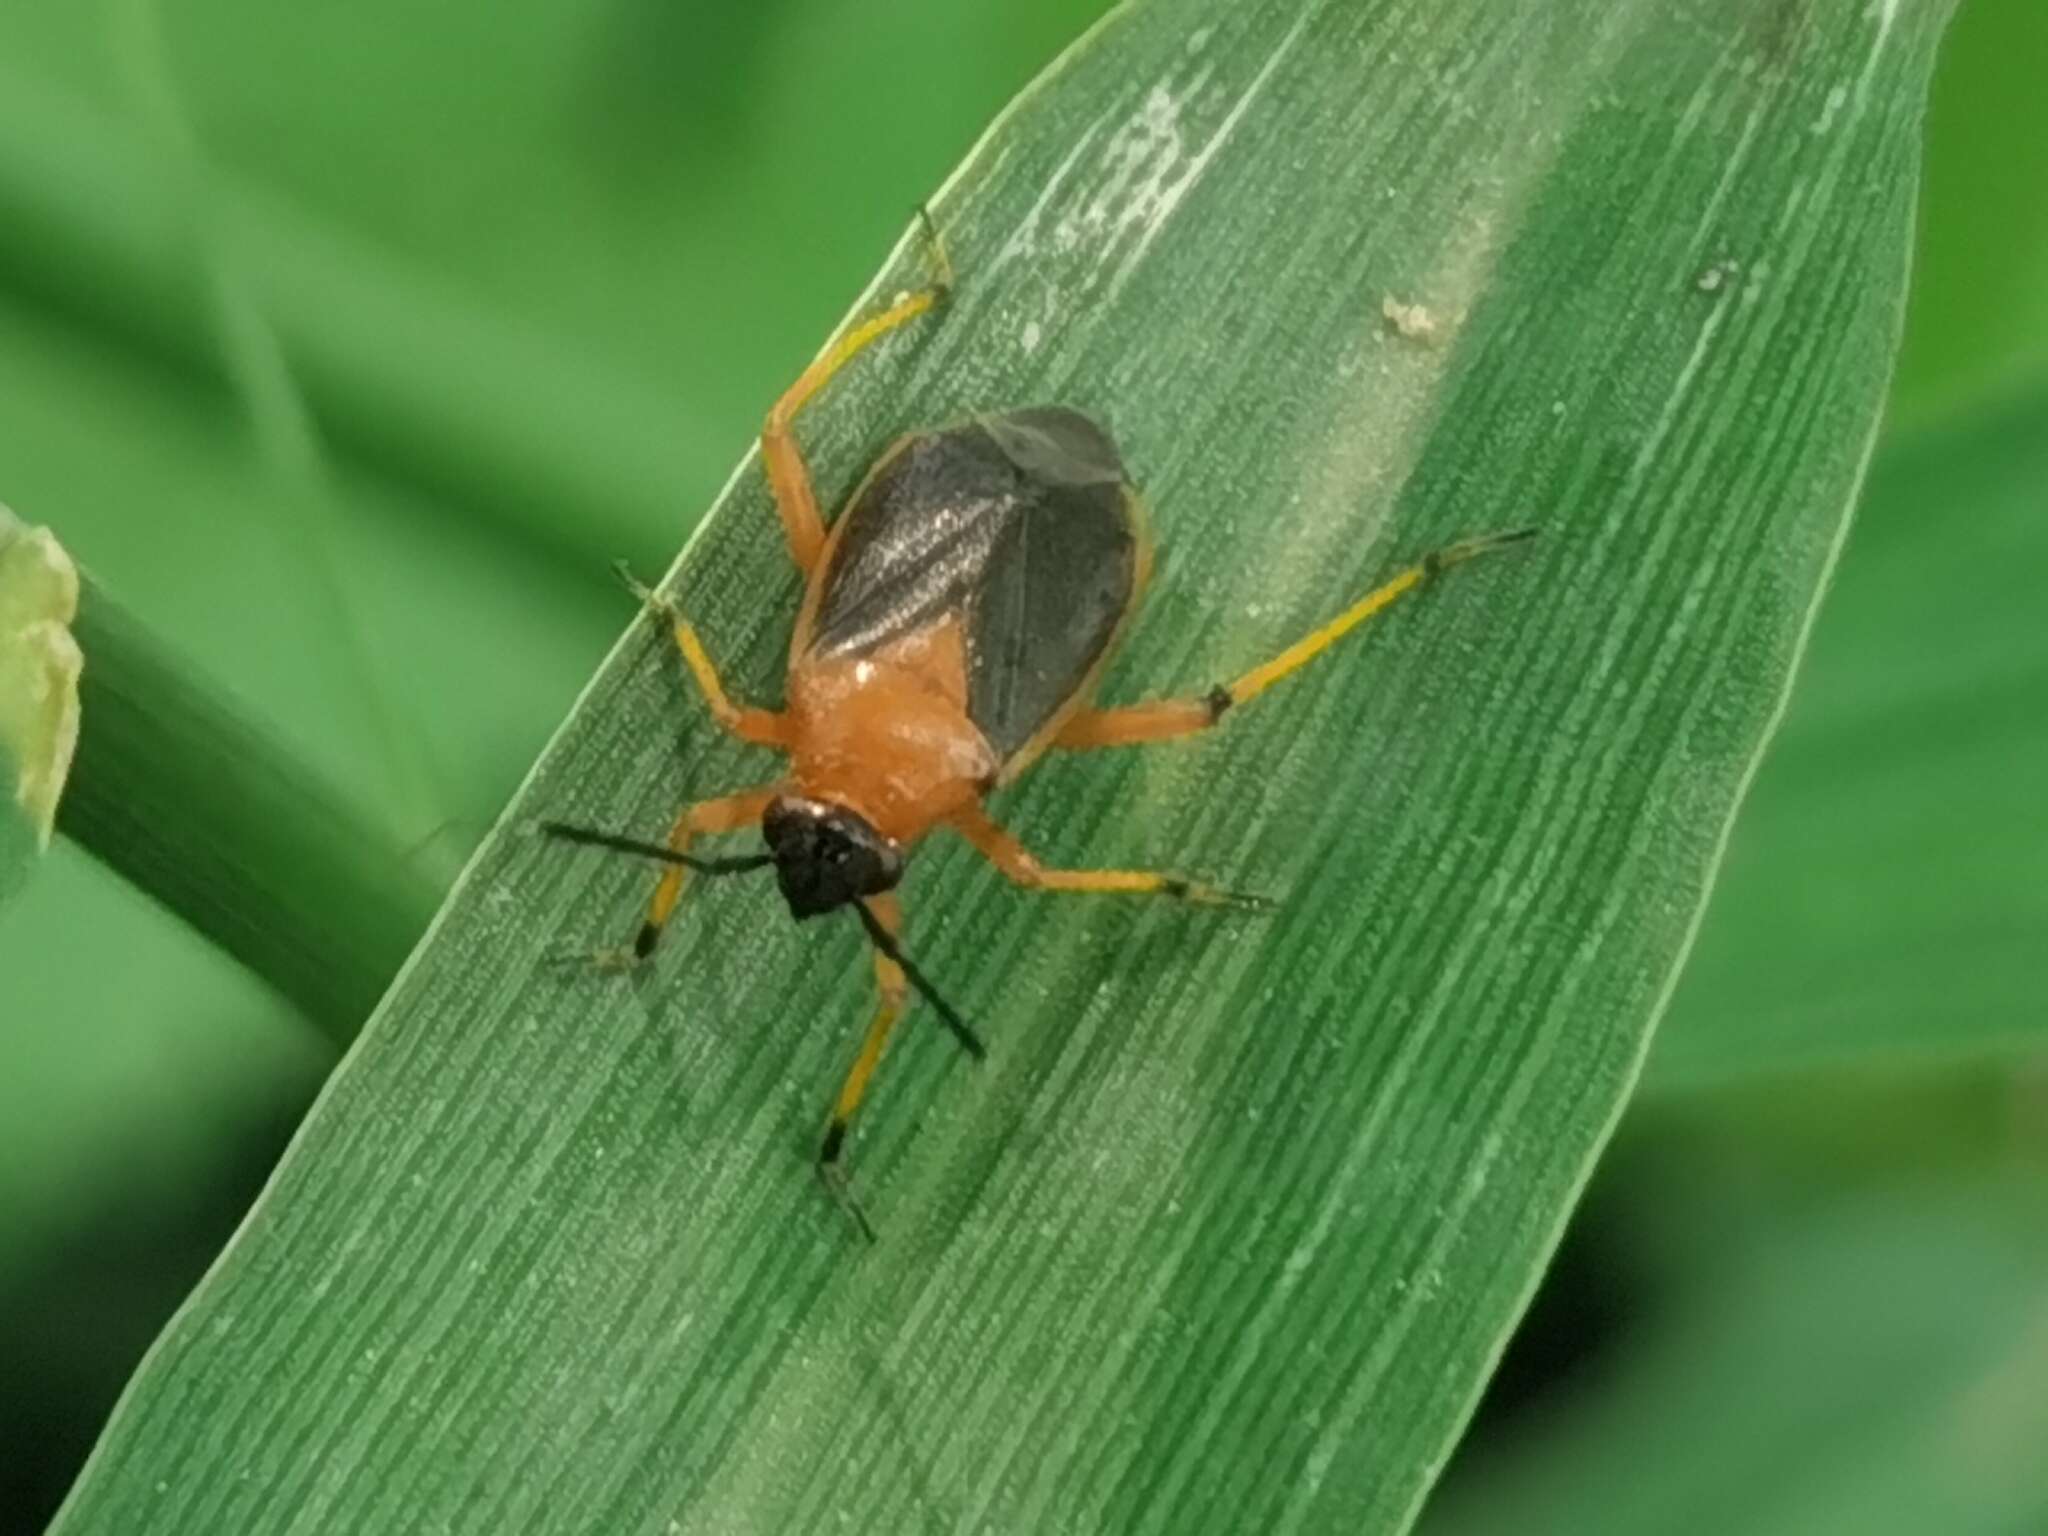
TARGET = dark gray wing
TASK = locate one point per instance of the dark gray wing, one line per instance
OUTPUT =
(1020, 525)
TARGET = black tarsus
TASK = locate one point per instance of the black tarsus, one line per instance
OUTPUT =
(942, 276)
(833, 1177)
(884, 941)
(1438, 560)
(592, 838)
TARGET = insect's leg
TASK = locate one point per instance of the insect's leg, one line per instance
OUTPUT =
(727, 813)
(1131, 724)
(788, 476)
(1164, 718)
(889, 982)
(1016, 861)
(763, 727)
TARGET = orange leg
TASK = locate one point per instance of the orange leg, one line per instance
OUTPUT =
(1165, 718)
(889, 981)
(728, 813)
(788, 476)
(1016, 861)
(762, 727)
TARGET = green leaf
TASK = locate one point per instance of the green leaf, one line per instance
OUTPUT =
(1979, 320)
(1229, 1229)
(39, 665)
(1883, 894)
(471, 405)
(1875, 1369)
(540, 369)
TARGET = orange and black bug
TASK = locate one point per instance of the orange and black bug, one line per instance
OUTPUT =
(956, 619)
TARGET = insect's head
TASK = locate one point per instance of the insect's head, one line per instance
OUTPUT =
(826, 855)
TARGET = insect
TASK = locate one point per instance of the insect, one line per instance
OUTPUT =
(956, 620)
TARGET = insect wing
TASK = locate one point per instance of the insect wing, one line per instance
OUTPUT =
(1020, 527)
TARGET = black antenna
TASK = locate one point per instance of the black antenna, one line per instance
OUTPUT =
(591, 837)
(885, 941)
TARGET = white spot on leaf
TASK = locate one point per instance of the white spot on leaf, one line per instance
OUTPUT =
(1415, 322)
(1833, 105)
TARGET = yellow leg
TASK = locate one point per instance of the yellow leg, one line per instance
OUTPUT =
(1016, 861)
(728, 813)
(762, 727)
(788, 476)
(1164, 718)
(889, 981)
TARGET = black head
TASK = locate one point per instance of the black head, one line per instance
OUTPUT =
(826, 856)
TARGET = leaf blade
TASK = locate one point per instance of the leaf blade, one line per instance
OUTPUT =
(1880, 900)
(1859, 1368)
(590, 1202)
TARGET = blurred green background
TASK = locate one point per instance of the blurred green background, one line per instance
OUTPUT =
(532, 279)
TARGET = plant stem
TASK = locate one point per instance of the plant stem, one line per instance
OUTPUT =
(180, 794)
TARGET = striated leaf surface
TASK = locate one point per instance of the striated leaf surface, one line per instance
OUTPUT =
(1228, 1231)
(1883, 896)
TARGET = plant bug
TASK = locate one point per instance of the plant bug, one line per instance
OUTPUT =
(956, 619)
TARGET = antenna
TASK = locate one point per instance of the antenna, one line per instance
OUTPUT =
(885, 941)
(592, 838)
